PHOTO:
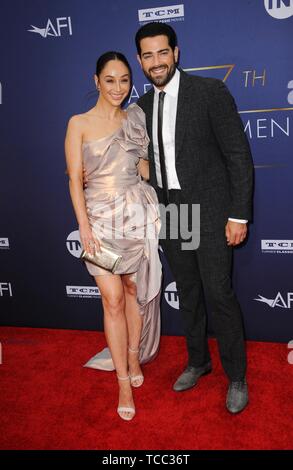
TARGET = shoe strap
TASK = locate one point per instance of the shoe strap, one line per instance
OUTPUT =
(123, 378)
(133, 350)
(125, 409)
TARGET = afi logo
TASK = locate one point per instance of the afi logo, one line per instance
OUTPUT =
(279, 9)
(61, 24)
(278, 301)
(5, 289)
(73, 244)
(171, 295)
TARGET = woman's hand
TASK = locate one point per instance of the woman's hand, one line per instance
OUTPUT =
(144, 169)
(89, 242)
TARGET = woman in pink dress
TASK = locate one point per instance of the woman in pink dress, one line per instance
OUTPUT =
(118, 209)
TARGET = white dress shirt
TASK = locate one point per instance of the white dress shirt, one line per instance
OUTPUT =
(168, 131)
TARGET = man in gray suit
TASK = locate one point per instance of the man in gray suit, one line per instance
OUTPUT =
(199, 154)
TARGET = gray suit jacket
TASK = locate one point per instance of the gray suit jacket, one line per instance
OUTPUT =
(212, 154)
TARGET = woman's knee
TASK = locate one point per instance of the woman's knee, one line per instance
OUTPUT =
(129, 287)
(114, 305)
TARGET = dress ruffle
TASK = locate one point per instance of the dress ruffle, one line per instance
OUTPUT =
(133, 135)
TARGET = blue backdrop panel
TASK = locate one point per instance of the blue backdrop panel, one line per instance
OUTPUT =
(48, 55)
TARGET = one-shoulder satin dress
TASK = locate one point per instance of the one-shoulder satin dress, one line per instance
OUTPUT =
(124, 216)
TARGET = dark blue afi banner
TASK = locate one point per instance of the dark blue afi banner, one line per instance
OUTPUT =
(48, 55)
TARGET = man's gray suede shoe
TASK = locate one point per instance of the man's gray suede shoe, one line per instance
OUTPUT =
(237, 396)
(190, 376)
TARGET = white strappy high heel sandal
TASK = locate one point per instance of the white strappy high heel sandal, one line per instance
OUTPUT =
(125, 409)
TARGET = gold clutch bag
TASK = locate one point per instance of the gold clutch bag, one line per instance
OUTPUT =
(104, 258)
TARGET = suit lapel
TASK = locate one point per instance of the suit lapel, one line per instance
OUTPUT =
(148, 109)
(182, 111)
(149, 118)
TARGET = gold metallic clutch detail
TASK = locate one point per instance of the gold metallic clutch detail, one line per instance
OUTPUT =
(104, 258)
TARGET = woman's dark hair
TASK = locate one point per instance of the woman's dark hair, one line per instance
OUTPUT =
(112, 55)
(150, 30)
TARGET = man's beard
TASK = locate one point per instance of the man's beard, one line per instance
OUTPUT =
(161, 81)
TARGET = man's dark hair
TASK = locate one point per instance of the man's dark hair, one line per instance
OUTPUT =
(155, 29)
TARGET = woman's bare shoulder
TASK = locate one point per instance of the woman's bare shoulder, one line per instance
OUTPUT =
(79, 121)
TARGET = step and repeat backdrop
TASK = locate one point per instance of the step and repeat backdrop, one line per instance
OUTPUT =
(48, 53)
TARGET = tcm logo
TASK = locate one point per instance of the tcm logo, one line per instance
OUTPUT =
(61, 24)
(171, 295)
(279, 9)
(4, 243)
(164, 13)
(73, 244)
(279, 301)
(277, 246)
(5, 289)
(90, 292)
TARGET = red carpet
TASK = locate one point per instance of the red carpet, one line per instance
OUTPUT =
(49, 401)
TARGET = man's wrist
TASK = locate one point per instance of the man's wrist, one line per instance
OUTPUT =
(239, 221)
